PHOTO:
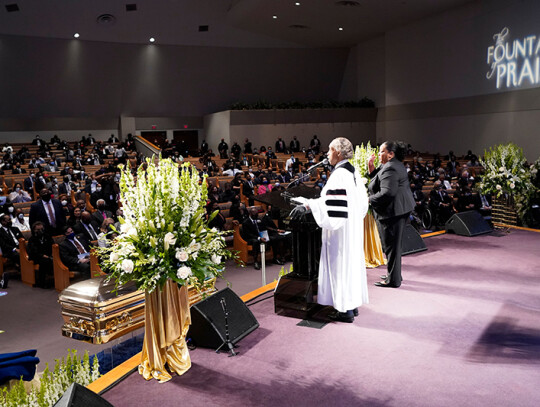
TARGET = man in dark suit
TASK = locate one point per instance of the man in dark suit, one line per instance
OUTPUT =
(9, 239)
(294, 146)
(392, 201)
(250, 233)
(75, 252)
(102, 213)
(49, 211)
(87, 227)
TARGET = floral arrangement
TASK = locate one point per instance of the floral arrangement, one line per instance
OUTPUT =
(52, 385)
(164, 233)
(506, 174)
(361, 157)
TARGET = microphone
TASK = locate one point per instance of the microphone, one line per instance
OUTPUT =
(323, 162)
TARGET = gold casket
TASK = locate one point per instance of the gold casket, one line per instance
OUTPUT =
(94, 312)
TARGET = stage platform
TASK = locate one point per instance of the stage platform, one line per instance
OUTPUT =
(463, 329)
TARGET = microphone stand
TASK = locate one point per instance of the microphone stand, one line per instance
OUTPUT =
(227, 337)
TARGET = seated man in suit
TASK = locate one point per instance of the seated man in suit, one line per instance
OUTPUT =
(9, 239)
(101, 213)
(75, 252)
(250, 232)
(87, 227)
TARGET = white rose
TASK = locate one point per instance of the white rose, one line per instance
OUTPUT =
(216, 259)
(498, 187)
(183, 272)
(512, 185)
(182, 255)
(127, 266)
(113, 258)
(194, 246)
(169, 240)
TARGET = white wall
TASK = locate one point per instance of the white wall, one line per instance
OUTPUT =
(217, 127)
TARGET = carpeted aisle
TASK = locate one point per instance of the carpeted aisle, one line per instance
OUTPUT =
(464, 329)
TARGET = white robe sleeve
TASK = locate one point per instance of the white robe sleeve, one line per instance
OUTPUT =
(331, 210)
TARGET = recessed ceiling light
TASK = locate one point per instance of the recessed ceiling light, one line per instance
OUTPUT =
(76, 35)
(274, 17)
(152, 39)
(340, 28)
(297, 3)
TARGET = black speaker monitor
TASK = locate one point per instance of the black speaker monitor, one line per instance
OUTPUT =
(411, 242)
(208, 325)
(470, 223)
(79, 396)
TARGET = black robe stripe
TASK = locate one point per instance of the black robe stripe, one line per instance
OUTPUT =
(336, 202)
(336, 192)
(338, 214)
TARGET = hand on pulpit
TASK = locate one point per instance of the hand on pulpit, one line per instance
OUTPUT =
(299, 212)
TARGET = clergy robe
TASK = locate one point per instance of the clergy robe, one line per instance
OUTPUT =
(340, 212)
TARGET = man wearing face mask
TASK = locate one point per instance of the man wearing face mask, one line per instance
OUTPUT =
(49, 211)
(9, 239)
(39, 250)
(86, 227)
(75, 252)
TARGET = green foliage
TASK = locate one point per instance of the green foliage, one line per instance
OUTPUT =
(361, 158)
(331, 104)
(52, 384)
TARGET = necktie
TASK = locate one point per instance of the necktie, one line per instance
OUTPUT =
(10, 232)
(79, 246)
(257, 226)
(104, 215)
(50, 211)
(91, 231)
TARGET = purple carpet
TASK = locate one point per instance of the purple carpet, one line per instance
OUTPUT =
(463, 330)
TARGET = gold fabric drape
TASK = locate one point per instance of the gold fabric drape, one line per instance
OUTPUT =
(372, 243)
(166, 325)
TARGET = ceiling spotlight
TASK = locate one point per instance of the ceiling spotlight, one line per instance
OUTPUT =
(340, 28)
(297, 3)
(274, 17)
(76, 35)
(152, 39)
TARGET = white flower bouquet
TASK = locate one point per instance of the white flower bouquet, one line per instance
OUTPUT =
(361, 157)
(164, 233)
(507, 174)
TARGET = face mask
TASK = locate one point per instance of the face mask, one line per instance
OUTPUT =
(71, 236)
(265, 182)
(64, 202)
(17, 189)
(20, 216)
(324, 176)
(11, 209)
(39, 233)
(98, 189)
(8, 225)
(46, 197)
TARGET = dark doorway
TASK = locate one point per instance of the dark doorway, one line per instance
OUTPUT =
(157, 138)
(190, 139)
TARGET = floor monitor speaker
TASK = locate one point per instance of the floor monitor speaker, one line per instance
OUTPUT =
(470, 223)
(79, 396)
(412, 242)
(213, 317)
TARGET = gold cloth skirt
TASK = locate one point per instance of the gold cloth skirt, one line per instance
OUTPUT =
(372, 243)
(166, 325)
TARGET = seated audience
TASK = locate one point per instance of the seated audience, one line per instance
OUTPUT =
(75, 252)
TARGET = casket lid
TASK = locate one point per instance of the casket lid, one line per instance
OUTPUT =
(96, 292)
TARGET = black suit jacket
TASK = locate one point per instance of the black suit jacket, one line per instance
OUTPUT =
(98, 219)
(6, 240)
(69, 253)
(37, 213)
(249, 230)
(80, 229)
(28, 184)
(390, 191)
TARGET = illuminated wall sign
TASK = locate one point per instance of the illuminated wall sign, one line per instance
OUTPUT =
(514, 63)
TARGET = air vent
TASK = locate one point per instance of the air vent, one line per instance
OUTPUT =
(347, 3)
(131, 7)
(12, 7)
(299, 27)
(106, 20)
(203, 28)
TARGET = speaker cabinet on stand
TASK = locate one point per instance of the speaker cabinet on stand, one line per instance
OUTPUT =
(221, 321)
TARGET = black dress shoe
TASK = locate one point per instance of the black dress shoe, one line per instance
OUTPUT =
(383, 284)
(383, 276)
(355, 312)
(279, 261)
(341, 317)
(257, 266)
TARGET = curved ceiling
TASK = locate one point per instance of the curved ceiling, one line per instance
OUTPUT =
(221, 23)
